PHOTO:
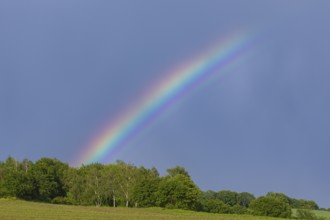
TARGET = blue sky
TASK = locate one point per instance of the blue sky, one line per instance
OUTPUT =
(69, 67)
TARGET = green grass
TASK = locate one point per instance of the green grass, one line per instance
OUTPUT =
(17, 209)
(320, 213)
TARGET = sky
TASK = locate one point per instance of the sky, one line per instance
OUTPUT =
(261, 123)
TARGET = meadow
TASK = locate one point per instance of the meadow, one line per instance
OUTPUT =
(18, 209)
(321, 213)
(318, 213)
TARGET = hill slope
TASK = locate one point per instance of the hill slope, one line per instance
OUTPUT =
(17, 209)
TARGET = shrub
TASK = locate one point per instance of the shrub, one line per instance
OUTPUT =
(61, 200)
(215, 206)
(238, 209)
(268, 206)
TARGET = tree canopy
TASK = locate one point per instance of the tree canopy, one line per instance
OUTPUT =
(270, 206)
(124, 184)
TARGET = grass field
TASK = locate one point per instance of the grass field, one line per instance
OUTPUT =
(16, 209)
(320, 213)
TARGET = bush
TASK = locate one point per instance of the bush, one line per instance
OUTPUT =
(178, 192)
(215, 206)
(61, 200)
(238, 209)
(268, 206)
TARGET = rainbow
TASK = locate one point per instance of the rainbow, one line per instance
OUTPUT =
(163, 94)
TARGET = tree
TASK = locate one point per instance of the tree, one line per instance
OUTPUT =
(11, 164)
(126, 179)
(112, 183)
(294, 203)
(215, 206)
(208, 195)
(304, 204)
(74, 185)
(228, 197)
(21, 185)
(145, 190)
(49, 176)
(280, 196)
(25, 165)
(177, 170)
(244, 199)
(177, 192)
(269, 206)
(95, 187)
(238, 209)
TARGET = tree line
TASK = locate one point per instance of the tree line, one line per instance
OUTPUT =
(124, 184)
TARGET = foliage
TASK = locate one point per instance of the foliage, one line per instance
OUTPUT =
(123, 184)
(208, 195)
(145, 190)
(177, 192)
(215, 206)
(294, 203)
(244, 199)
(280, 196)
(127, 177)
(228, 197)
(304, 204)
(270, 206)
(49, 177)
(21, 185)
(238, 209)
(177, 170)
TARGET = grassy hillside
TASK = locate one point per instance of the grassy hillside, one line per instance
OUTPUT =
(320, 213)
(16, 209)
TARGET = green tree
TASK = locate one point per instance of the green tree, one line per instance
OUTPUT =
(304, 204)
(214, 206)
(228, 197)
(177, 170)
(11, 164)
(16, 180)
(294, 203)
(112, 182)
(87, 185)
(127, 177)
(21, 185)
(145, 190)
(208, 195)
(238, 209)
(244, 199)
(280, 196)
(270, 206)
(177, 192)
(94, 184)
(49, 176)
(74, 185)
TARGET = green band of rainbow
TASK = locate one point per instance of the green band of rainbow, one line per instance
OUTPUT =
(161, 95)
